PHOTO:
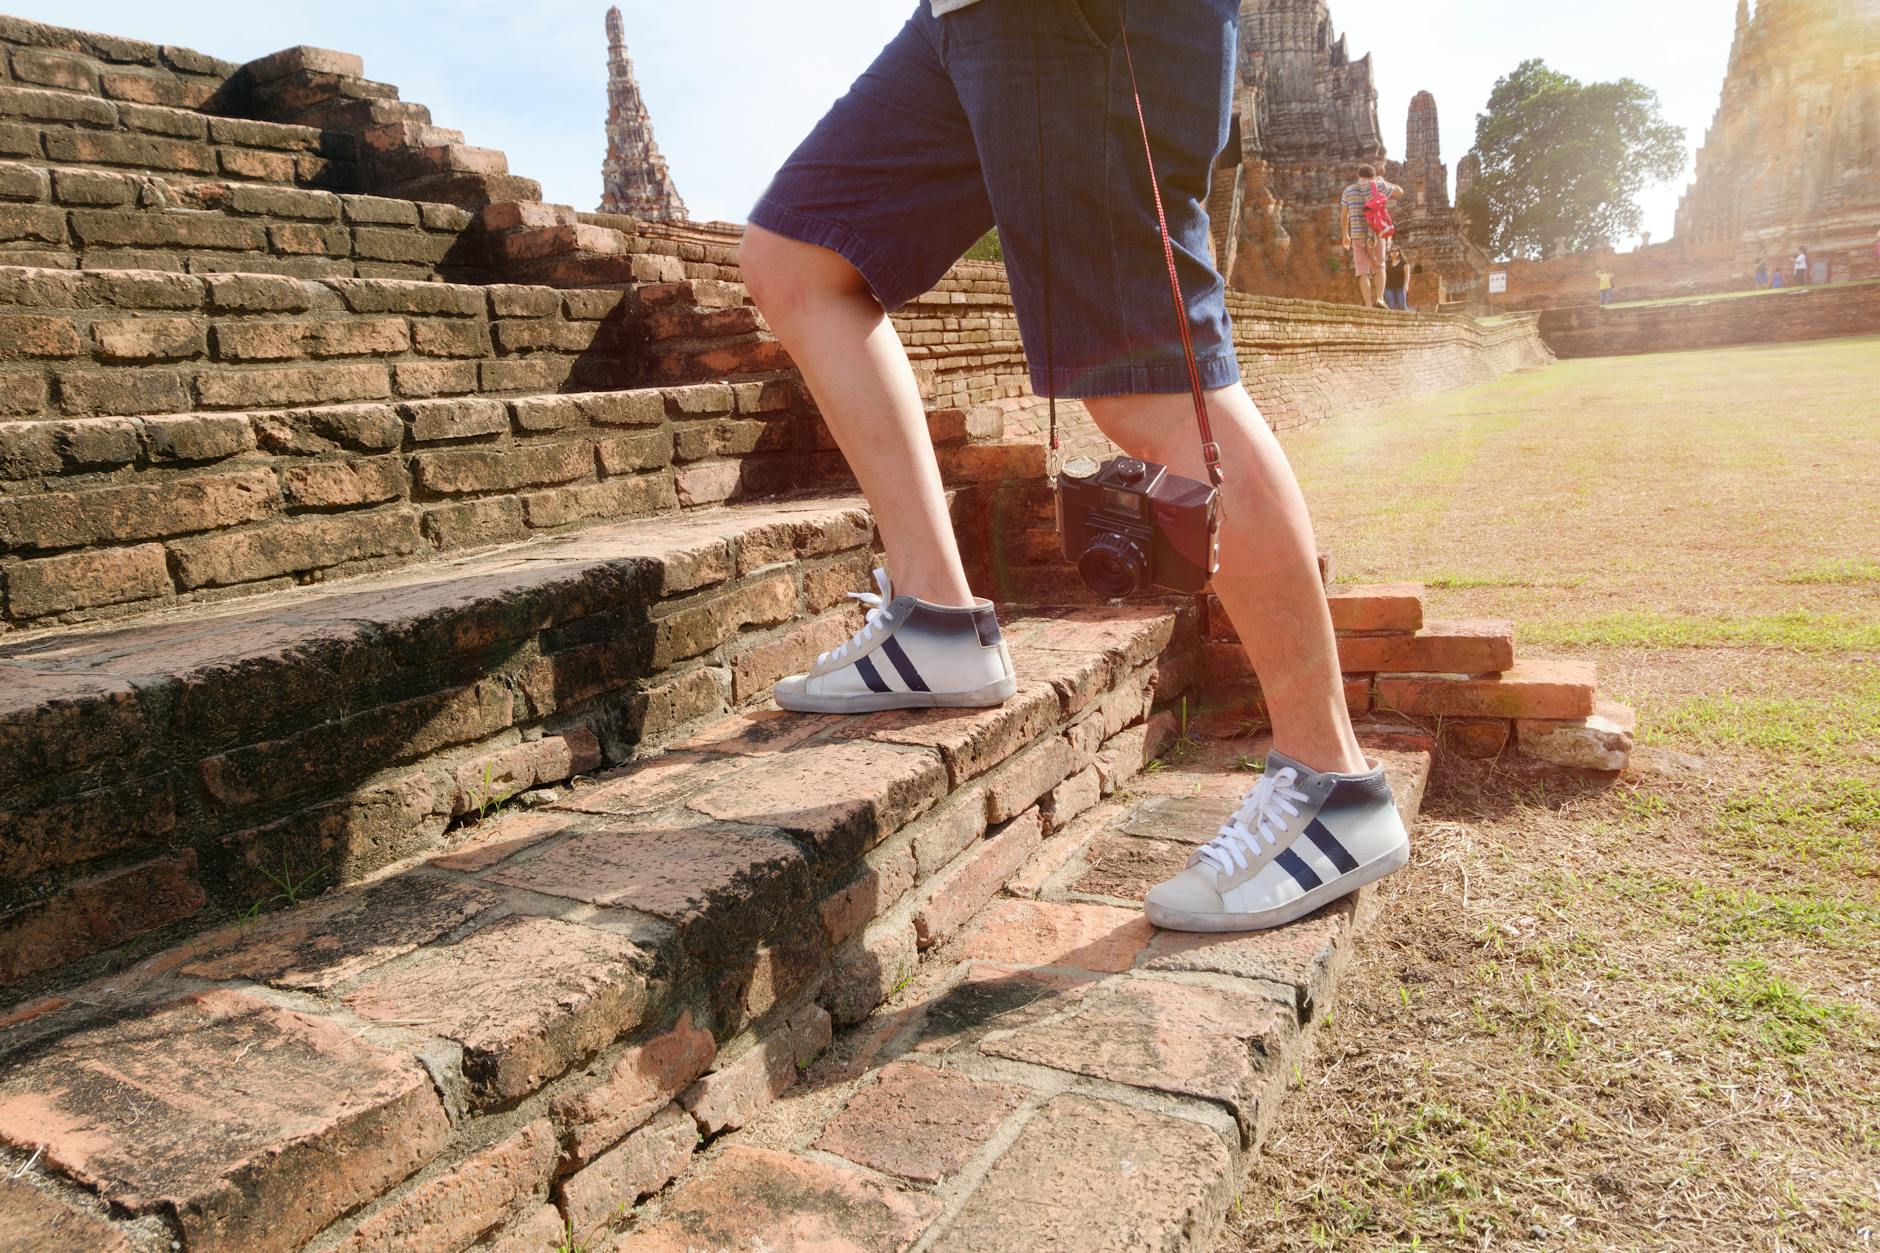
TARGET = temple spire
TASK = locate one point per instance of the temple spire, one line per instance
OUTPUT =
(634, 177)
(1742, 30)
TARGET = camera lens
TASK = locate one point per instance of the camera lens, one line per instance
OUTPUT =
(1114, 566)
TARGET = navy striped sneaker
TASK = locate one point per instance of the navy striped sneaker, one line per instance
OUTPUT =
(908, 655)
(1301, 838)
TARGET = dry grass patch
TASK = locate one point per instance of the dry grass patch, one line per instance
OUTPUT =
(1644, 1015)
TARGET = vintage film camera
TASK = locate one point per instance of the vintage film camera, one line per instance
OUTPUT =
(1131, 526)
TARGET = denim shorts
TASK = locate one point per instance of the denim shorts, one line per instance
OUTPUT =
(940, 139)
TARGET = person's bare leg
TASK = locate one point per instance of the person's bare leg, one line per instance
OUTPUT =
(857, 369)
(1269, 575)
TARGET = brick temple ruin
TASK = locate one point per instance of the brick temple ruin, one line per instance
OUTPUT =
(634, 176)
(1304, 120)
(1791, 160)
(395, 849)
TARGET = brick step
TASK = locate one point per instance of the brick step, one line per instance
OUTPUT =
(69, 217)
(103, 517)
(1055, 1074)
(39, 126)
(513, 1030)
(134, 342)
(110, 66)
(167, 772)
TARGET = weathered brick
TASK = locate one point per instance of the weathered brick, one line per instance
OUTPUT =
(56, 106)
(292, 385)
(343, 484)
(602, 1192)
(143, 289)
(116, 1102)
(638, 1083)
(989, 864)
(286, 341)
(49, 69)
(96, 914)
(374, 295)
(513, 301)
(719, 887)
(258, 293)
(122, 391)
(294, 545)
(1600, 741)
(278, 202)
(1100, 938)
(474, 523)
(148, 339)
(413, 247)
(1162, 1181)
(658, 709)
(44, 289)
(489, 777)
(527, 336)
(752, 1198)
(435, 377)
(734, 1094)
(93, 187)
(108, 228)
(117, 514)
(38, 335)
(197, 437)
(616, 498)
(1463, 647)
(463, 1201)
(33, 1216)
(838, 796)
(298, 239)
(23, 182)
(273, 167)
(1204, 1042)
(1016, 786)
(153, 120)
(526, 997)
(919, 1122)
(462, 471)
(86, 580)
(308, 432)
(1528, 689)
(1377, 607)
(105, 820)
(454, 418)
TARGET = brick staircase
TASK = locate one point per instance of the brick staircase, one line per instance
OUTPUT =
(397, 852)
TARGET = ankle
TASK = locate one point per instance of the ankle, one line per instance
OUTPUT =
(1323, 759)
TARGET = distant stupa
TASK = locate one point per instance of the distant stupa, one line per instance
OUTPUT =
(634, 177)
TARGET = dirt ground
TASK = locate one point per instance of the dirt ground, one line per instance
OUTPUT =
(1644, 1014)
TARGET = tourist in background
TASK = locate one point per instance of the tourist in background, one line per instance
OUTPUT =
(1605, 286)
(1775, 279)
(1801, 267)
(1397, 280)
(1762, 273)
(1365, 245)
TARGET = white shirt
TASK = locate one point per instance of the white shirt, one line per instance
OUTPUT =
(1801, 258)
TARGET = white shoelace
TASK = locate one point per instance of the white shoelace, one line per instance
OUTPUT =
(877, 603)
(1261, 818)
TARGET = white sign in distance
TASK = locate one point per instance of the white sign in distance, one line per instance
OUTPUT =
(1497, 282)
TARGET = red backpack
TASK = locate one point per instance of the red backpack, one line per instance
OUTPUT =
(1377, 212)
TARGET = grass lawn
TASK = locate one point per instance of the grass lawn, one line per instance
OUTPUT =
(1644, 1015)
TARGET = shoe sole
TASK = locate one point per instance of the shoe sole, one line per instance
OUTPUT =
(1344, 885)
(874, 702)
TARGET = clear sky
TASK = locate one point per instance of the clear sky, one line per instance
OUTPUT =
(733, 84)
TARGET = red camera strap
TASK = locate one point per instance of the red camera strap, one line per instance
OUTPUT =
(1210, 451)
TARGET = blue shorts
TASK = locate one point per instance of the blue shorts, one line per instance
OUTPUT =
(940, 138)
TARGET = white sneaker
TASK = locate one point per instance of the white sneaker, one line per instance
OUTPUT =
(1300, 839)
(908, 655)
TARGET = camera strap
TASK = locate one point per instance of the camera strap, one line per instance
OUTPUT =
(1210, 451)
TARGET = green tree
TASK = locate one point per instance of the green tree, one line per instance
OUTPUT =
(1562, 159)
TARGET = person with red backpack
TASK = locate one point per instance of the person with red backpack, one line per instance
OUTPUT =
(1365, 228)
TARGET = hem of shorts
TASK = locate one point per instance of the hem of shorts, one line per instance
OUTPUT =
(883, 277)
(1217, 369)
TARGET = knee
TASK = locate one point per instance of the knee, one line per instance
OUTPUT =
(784, 276)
